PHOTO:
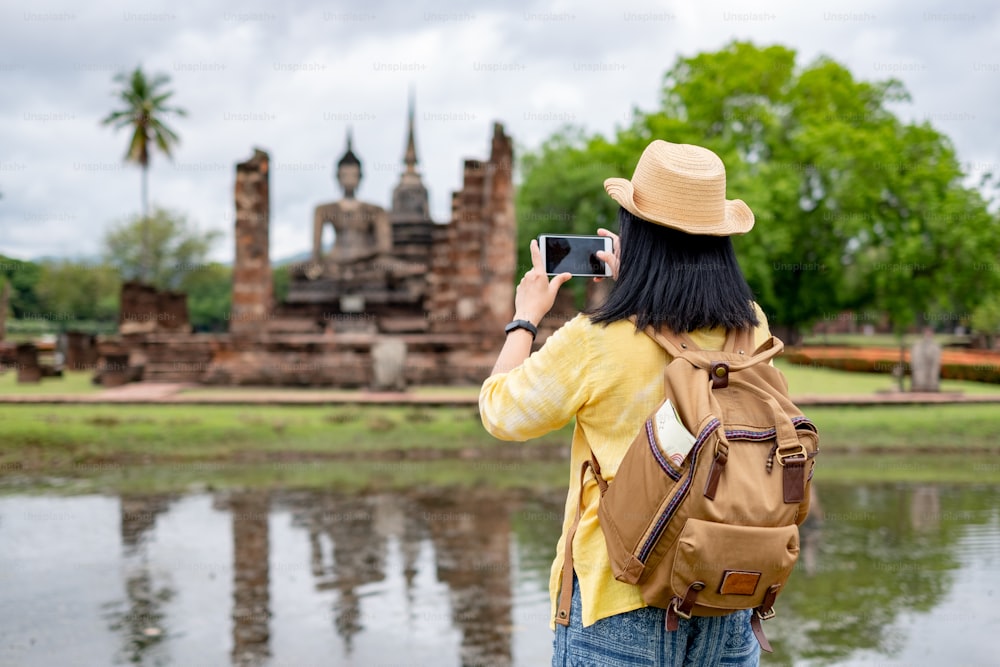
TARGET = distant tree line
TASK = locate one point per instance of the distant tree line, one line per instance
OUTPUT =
(54, 295)
(855, 208)
(60, 294)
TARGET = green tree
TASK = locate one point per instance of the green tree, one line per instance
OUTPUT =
(23, 278)
(985, 319)
(77, 291)
(209, 294)
(281, 280)
(558, 194)
(144, 107)
(854, 208)
(174, 249)
(4, 305)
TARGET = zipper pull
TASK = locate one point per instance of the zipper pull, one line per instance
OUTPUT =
(770, 457)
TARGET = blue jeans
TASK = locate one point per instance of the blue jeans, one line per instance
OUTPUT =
(639, 638)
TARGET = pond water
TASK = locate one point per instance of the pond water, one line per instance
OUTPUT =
(892, 575)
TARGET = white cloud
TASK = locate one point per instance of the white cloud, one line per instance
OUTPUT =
(291, 78)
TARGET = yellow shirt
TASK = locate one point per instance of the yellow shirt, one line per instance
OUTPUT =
(610, 378)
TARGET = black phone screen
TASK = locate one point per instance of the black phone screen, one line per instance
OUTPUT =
(574, 254)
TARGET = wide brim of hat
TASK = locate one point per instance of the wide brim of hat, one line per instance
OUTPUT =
(738, 216)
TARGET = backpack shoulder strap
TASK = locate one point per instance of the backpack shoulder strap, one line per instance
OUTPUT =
(676, 344)
(740, 341)
(768, 350)
(566, 589)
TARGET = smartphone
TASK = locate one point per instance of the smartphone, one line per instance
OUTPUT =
(570, 253)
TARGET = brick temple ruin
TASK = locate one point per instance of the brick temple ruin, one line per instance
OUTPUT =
(397, 290)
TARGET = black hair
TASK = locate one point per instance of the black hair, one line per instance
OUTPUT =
(682, 281)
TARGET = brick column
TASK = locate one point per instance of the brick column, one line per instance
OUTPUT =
(499, 247)
(472, 273)
(253, 296)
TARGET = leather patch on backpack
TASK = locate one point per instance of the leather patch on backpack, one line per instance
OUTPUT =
(793, 479)
(739, 582)
(719, 372)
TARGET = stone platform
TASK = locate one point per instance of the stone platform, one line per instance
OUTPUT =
(309, 360)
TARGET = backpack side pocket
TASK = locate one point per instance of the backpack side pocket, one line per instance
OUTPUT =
(635, 499)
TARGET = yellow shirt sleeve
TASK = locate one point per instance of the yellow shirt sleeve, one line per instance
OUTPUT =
(544, 392)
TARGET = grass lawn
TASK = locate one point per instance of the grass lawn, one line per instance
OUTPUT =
(913, 469)
(827, 381)
(162, 448)
(72, 382)
(908, 428)
(53, 434)
(84, 438)
(41, 436)
(801, 380)
(341, 475)
(187, 477)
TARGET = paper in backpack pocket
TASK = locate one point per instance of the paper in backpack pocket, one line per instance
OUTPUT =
(674, 440)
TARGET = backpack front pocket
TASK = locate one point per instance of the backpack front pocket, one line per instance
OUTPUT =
(735, 564)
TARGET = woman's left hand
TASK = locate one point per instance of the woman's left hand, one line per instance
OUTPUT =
(536, 293)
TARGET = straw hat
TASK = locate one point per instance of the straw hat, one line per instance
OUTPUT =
(683, 187)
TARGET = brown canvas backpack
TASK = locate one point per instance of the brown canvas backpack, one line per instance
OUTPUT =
(719, 532)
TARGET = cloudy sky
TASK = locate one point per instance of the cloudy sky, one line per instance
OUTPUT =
(290, 77)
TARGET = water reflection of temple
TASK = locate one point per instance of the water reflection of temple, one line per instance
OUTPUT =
(371, 565)
(349, 538)
(351, 556)
(251, 568)
(141, 619)
(470, 536)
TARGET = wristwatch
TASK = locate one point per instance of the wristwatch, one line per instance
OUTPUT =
(522, 324)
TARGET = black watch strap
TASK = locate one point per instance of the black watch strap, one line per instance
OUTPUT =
(522, 324)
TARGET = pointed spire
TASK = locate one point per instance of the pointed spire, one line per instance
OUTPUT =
(349, 157)
(410, 158)
(409, 198)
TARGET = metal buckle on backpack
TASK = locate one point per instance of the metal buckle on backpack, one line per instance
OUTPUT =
(765, 616)
(795, 452)
(680, 614)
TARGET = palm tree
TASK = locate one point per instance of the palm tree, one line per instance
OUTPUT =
(145, 104)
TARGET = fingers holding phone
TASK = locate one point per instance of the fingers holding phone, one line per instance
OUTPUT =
(536, 293)
(609, 258)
